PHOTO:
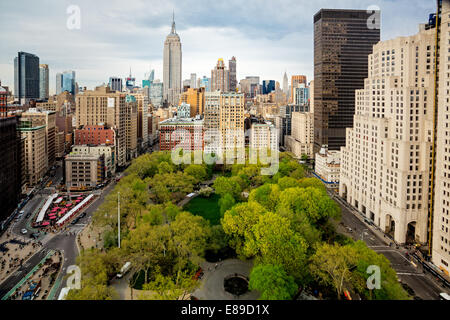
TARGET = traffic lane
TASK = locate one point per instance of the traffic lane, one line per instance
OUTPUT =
(398, 261)
(30, 207)
(18, 275)
(423, 287)
(358, 227)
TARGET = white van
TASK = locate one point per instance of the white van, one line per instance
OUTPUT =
(444, 296)
(126, 267)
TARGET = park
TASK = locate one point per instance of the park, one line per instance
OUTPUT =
(242, 236)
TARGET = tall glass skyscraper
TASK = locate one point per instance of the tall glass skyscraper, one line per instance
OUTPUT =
(65, 82)
(268, 86)
(43, 82)
(205, 82)
(343, 41)
(26, 76)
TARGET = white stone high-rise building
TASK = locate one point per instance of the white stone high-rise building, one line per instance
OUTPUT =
(385, 165)
(440, 246)
(172, 67)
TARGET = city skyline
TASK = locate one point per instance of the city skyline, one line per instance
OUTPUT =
(138, 41)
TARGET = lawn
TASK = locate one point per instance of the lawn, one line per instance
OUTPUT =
(208, 208)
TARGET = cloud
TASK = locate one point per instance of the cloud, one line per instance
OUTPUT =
(267, 37)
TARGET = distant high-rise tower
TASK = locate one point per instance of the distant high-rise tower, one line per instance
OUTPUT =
(172, 66)
(268, 86)
(295, 81)
(286, 84)
(65, 82)
(343, 39)
(43, 82)
(220, 77)
(115, 84)
(193, 83)
(26, 77)
(232, 74)
(130, 82)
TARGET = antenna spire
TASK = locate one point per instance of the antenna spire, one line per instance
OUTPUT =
(173, 22)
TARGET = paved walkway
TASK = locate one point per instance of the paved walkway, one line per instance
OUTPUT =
(212, 287)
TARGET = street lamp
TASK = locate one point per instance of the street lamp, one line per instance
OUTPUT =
(118, 216)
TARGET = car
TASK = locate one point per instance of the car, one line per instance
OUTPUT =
(24, 231)
(82, 215)
(34, 236)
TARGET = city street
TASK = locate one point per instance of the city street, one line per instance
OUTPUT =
(425, 287)
(65, 241)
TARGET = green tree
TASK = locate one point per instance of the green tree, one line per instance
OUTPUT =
(390, 287)
(224, 185)
(226, 203)
(274, 242)
(273, 282)
(287, 182)
(168, 288)
(331, 266)
(238, 223)
(266, 195)
(198, 172)
(312, 202)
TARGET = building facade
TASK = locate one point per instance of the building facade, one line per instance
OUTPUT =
(220, 77)
(115, 84)
(43, 82)
(11, 169)
(194, 98)
(36, 162)
(172, 67)
(232, 74)
(440, 201)
(84, 171)
(187, 134)
(301, 140)
(26, 77)
(105, 108)
(47, 119)
(263, 136)
(327, 166)
(385, 165)
(342, 43)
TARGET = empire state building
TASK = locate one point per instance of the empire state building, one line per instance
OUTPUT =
(172, 66)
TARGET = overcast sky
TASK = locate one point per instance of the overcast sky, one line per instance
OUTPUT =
(266, 36)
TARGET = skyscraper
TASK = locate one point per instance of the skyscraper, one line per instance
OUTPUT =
(268, 86)
(439, 225)
(296, 80)
(10, 170)
(115, 84)
(43, 82)
(130, 82)
(66, 82)
(172, 68)
(220, 77)
(286, 85)
(232, 74)
(193, 83)
(343, 39)
(26, 77)
(59, 81)
(385, 165)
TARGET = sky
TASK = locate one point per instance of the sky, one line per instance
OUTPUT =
(267, 37)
